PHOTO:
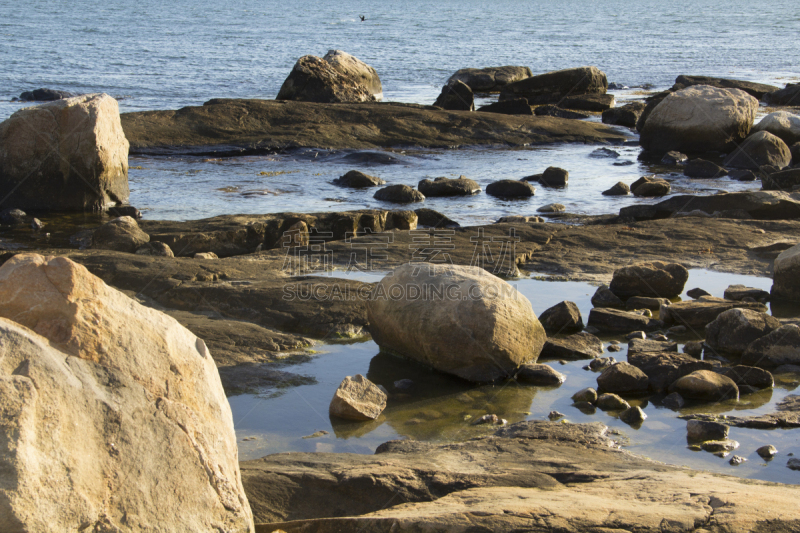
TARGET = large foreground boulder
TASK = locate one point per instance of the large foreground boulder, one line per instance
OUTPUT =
(66, 155)
(781, 124)
(759, 149)
(699, 119)
(551, 87)
(786, 277)
(356, 70)
(113, 414)
(656, 279)
(490, 79)
(457, 319)
(315, 80)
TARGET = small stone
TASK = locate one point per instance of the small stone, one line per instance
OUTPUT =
(492, 420)
(713, 446)
(614, 348)
(554, 177)
(673, 401)
(620, 189)
(603, 297)
(206, 255)
(793, 464)
(539, 374)
(36, 224)
(706, 385)
(633, 416)
(601, 363)
(585, 395)
(585, 408)
(701, 430)
(660, 338)
(674, 158)
(736, 460)
(552, 208)
(316, 434)
(767, 452)
(611, 402)
(693, 348)
(357, 398)
(555, 415)
(697, 293)
(636, 335)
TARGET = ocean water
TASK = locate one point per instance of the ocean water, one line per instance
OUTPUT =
(165, 55)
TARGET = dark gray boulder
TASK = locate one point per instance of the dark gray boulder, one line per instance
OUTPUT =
(456, 96)
(554, 177)
(510, 189)
(733, 330)
(358, 179)
(434, 219)
(517, 106)
(552, 87)
(700, 168)
(564, 317)
(759, 149)
(399, 194)
(627, 115)
(622, 378)
(656, 279)
(490, 79)
(448, 187)
(578, 346)
(620, 189)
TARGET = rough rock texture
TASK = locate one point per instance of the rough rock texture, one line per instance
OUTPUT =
(784, 180)
(649, 186)
(578, 346)
(656, 280)
(652, 346)
(611, 402)
(705, 385)
(482, 330)
(789, 95)
(434, 219)
(645, 302)
(551, 87)
(45, 95)
(540, 375)
(490, 79)
(535, 476)
(787, 415)
(510, 189)
(762, 205)
(564, 317)
(703, 169)
(462, 186)
(733, 330)
(66, 155)
(555, 111)
(786, 279)
(620, 189)
(757, 90)
(609, 320)
(782, 124)
(700, 431)
(315, 80)
(357, 179)
(588, 102)
(399, 194)
(356, 70)
(699, 313)
(235, 127)
(155, 248)
(699, 119)
(758, 378)
(554, 177)
(663, 368)
(759, 149)
(622, 378)
(456, 96)
(122, 234)
(357, 398)
(739, 292)
(626, 115)
(113, 414)
(779, 347)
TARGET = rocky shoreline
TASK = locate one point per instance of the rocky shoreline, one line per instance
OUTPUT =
(223, 296)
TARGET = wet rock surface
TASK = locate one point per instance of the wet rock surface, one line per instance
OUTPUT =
(578, 346)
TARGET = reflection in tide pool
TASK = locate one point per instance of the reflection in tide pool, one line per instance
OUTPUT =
(438, 407)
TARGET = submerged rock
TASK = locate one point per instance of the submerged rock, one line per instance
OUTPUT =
(633, 416)
(620, 189)
(700, 431)
(585, 395)
(518, 106)
(357, 398)
(358, 179)
(448, 187)
(483, 330)
(700, 168)
(66, 155)
(750, 376)
(510, 189)
(538, 374)
(611, 402)
(45, 95)
(649, 186)
(94, 384)
(554, 177)
(699, 119)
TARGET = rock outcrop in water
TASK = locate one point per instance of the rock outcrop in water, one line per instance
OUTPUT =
(552, 87)
(759, 149)
(490, 79)
(66, 155)
(355, 69)
(315, 80)
(456, 96)
(699, 119)
(757, 90)
(113, 413)
(456, 319)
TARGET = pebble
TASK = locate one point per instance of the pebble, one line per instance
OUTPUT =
(493, 420)
(585, 395)
(767, 452)
(37, 224)
(633, 416)
(246, 439)
(555, 415)
(794, 464)
(660, 337)
(614, 348)
(736, 460)
(612, 402)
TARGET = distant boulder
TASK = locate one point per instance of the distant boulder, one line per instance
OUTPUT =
(456, 96)
(490, 79)
(552, 87)
(356, 70)
(789, 95)
(449, 187)
(315, 80)
(757, 90)
(781, 124)
(357, 179)
(399, 194)
(45, 95)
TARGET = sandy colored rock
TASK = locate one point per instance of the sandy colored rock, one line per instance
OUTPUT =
(706, 385)
(490, 79)
(116, 412)
(315, 80)
(779, 347)
(781, 124)
(733, 330)
(481, 330)
(699, 119)
(552, 87)
(65, 155)
(578, 346)
(759, 149)
(358, 179)
(622, 378)
(356, 70)
(655, 280)
(564, 317)
(462, 186)
(357, 398)
(786, 279)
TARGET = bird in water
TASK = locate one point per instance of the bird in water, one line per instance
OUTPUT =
(362, 18)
